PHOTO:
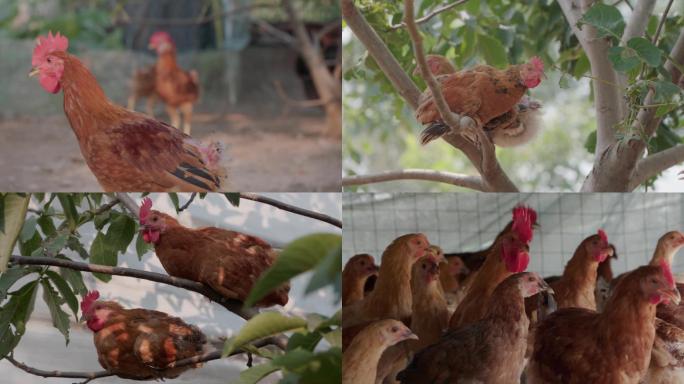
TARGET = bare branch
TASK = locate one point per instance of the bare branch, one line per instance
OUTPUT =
(292, 208)
(432, 14)
(231, 305)
(89, 376)
(129, 203)
(465, 181)
(656, 163)
(638, 20)
(190, 200)
(662, 22)
(277, 33)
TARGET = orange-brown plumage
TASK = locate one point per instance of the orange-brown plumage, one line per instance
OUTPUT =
(491, 350)
(355, 274)
(227, 261)
(143, 86)
(125, 150)
(613, 346)
(509, 255)
(139, 344)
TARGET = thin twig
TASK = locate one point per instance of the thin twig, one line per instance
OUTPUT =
(186, 205)
(292, 208)
(430, 15)
(465, 181)
(231, 305)
(662, 22)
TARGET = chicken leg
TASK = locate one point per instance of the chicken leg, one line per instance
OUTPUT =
(174, 116)
(186, 110)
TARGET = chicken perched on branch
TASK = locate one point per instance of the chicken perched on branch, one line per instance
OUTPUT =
(143, 86)
(179, 89)
(355, 275)
(577, 345)
(491, 350)
(509, 255)
(139, 344)
(229, 262)
(483, 94)
(575, 289)
(125, 150)
(360, 360)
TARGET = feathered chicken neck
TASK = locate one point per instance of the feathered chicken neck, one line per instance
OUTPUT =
(393, 283)
(494, 270)
(629, 308)
(84, 100)
(507, 303)
(663, 253)
(167, 61)
(580, 273)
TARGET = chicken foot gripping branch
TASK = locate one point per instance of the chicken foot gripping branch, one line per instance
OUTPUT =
(500, 329)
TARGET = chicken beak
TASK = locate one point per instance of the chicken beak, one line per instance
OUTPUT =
(672, 295)
(34, 72)
(544, 286)
(408, 335)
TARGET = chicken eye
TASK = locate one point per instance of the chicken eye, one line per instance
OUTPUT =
(49, 60)
(363, 263)
(395, 329)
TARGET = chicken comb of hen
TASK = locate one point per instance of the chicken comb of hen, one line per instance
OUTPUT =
(523, 219)
(603, 236)
(160, 37)
(145, 209)
(667, 272)
(537, 63)
(88, 300)
(46, 45)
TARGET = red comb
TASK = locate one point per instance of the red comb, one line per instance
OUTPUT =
(523, 219)
(602, 235)
(160, 36)
(88, 300)
(537, 63)
(46, 45)
(145, 209)
(667, 272)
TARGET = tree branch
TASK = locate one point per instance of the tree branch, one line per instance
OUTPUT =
(292, 208)
(656, 163)
(484, 158)
(638, 20)
(129, 203)
(187, 204)
(203, 358)
(231, 305)
(465, 181)
(432, 14)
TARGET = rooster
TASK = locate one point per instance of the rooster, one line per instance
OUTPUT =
(125, 150)
(491, 350)
(140, 344)
(355, 276)
(577, 345)
(179, 89)
(483, 94)
(509, 255)
(143, 86)
(228, 262)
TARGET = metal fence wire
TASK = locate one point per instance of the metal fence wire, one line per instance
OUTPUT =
(468, 222)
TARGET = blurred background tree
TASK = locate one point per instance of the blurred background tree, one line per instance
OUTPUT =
(498, 33)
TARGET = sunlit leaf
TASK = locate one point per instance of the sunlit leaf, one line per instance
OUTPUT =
(646, 51)
(606, 18)
(60, 319)
(14, 213)
(263, 325)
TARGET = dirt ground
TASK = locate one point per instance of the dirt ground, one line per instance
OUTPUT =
(267, 154)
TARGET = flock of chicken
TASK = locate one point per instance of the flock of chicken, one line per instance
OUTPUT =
(144, 344)
(126, 150)
(427, 317)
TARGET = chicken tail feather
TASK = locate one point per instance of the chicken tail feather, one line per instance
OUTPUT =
(433, 131)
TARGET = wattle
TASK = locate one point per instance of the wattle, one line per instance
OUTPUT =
(600, 257)
(150, 236)
(49, 83)
(516, 261)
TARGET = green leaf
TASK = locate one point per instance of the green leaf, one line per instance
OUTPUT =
(493, 51)
(260, 326)
(328, 271)
(8, 278)
(46, 225)
(14, 213)
(254, 374)
(174, 200)
(233, 198)
(120, 233)
(307, 340)
(66, 291)
(646, 51)
(55, 244)
(28, 229)
(102, 254)
(623, 60)
(298, 257)
(334, 337)
(69, 208)
(664, 91)
(32, 247)
(590, 142)
(75, 245)
(60, 319)
(606, 18)
(73, 277)
(141, 247)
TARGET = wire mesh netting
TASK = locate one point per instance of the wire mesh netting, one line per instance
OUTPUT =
(469, 222)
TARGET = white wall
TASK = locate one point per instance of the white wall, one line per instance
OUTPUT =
(43, 346)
